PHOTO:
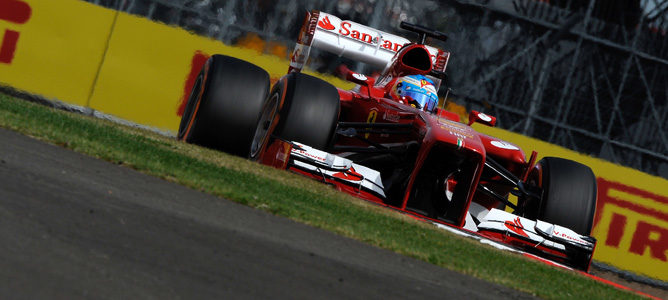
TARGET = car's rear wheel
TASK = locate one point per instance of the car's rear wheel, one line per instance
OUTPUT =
(224, 105)
(569, 193)
(300, 108)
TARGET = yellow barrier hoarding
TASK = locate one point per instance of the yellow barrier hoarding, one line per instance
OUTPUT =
(152, 62)
(631, 223)
(632, 228)
(53, 48)
(139, 70)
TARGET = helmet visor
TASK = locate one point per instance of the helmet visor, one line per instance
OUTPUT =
(426, 102)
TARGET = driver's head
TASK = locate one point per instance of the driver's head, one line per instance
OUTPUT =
(417, 90)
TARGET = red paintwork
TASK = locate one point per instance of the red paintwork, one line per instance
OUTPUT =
(514, 158)
(400, 67)
(276, 155)
(448, 115)
(198, 61)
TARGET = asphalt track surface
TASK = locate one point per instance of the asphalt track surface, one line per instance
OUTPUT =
(76, 227)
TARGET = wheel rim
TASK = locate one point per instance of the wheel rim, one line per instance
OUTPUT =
(264, 124)
(186, 118)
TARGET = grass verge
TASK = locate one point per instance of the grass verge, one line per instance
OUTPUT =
(297, 198)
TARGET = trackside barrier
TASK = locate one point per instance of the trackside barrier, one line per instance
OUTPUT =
(53, 48)
(152, 62)
(139, 70)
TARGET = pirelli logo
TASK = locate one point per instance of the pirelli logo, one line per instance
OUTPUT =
(631, 227)
(13, 12)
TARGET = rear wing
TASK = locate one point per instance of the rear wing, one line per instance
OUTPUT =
(352, 40)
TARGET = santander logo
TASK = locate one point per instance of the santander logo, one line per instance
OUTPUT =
(355, 31)
(326, 24)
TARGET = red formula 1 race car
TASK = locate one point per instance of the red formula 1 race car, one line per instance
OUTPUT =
(386, 141)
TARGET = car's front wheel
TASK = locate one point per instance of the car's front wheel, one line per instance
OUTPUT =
(569, 193)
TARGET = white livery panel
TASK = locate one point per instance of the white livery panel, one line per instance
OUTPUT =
(543, 233)
(334, 166)
(352, 40)
(359, 42)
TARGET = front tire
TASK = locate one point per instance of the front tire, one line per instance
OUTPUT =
(569, 193)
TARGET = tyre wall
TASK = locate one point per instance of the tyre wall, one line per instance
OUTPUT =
(139, 70)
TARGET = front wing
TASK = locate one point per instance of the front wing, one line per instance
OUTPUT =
(555, 243)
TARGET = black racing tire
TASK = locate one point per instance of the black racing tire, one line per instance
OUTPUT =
(224, 105)
(569, 193)
(308, 111)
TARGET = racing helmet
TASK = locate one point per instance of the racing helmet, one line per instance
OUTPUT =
(419, 88)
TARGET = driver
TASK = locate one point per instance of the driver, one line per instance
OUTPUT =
(417, 91)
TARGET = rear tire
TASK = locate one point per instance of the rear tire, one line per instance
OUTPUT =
(569, 193)
(224, 105)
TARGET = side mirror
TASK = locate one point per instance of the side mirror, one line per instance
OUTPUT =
(360, 79)
(478, 117)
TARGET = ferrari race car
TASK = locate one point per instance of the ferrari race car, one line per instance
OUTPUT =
(388, 142)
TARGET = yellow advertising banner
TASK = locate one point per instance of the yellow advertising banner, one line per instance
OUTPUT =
(145, 75)
(53, 48)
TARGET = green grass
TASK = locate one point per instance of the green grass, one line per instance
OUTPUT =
(294, 197)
